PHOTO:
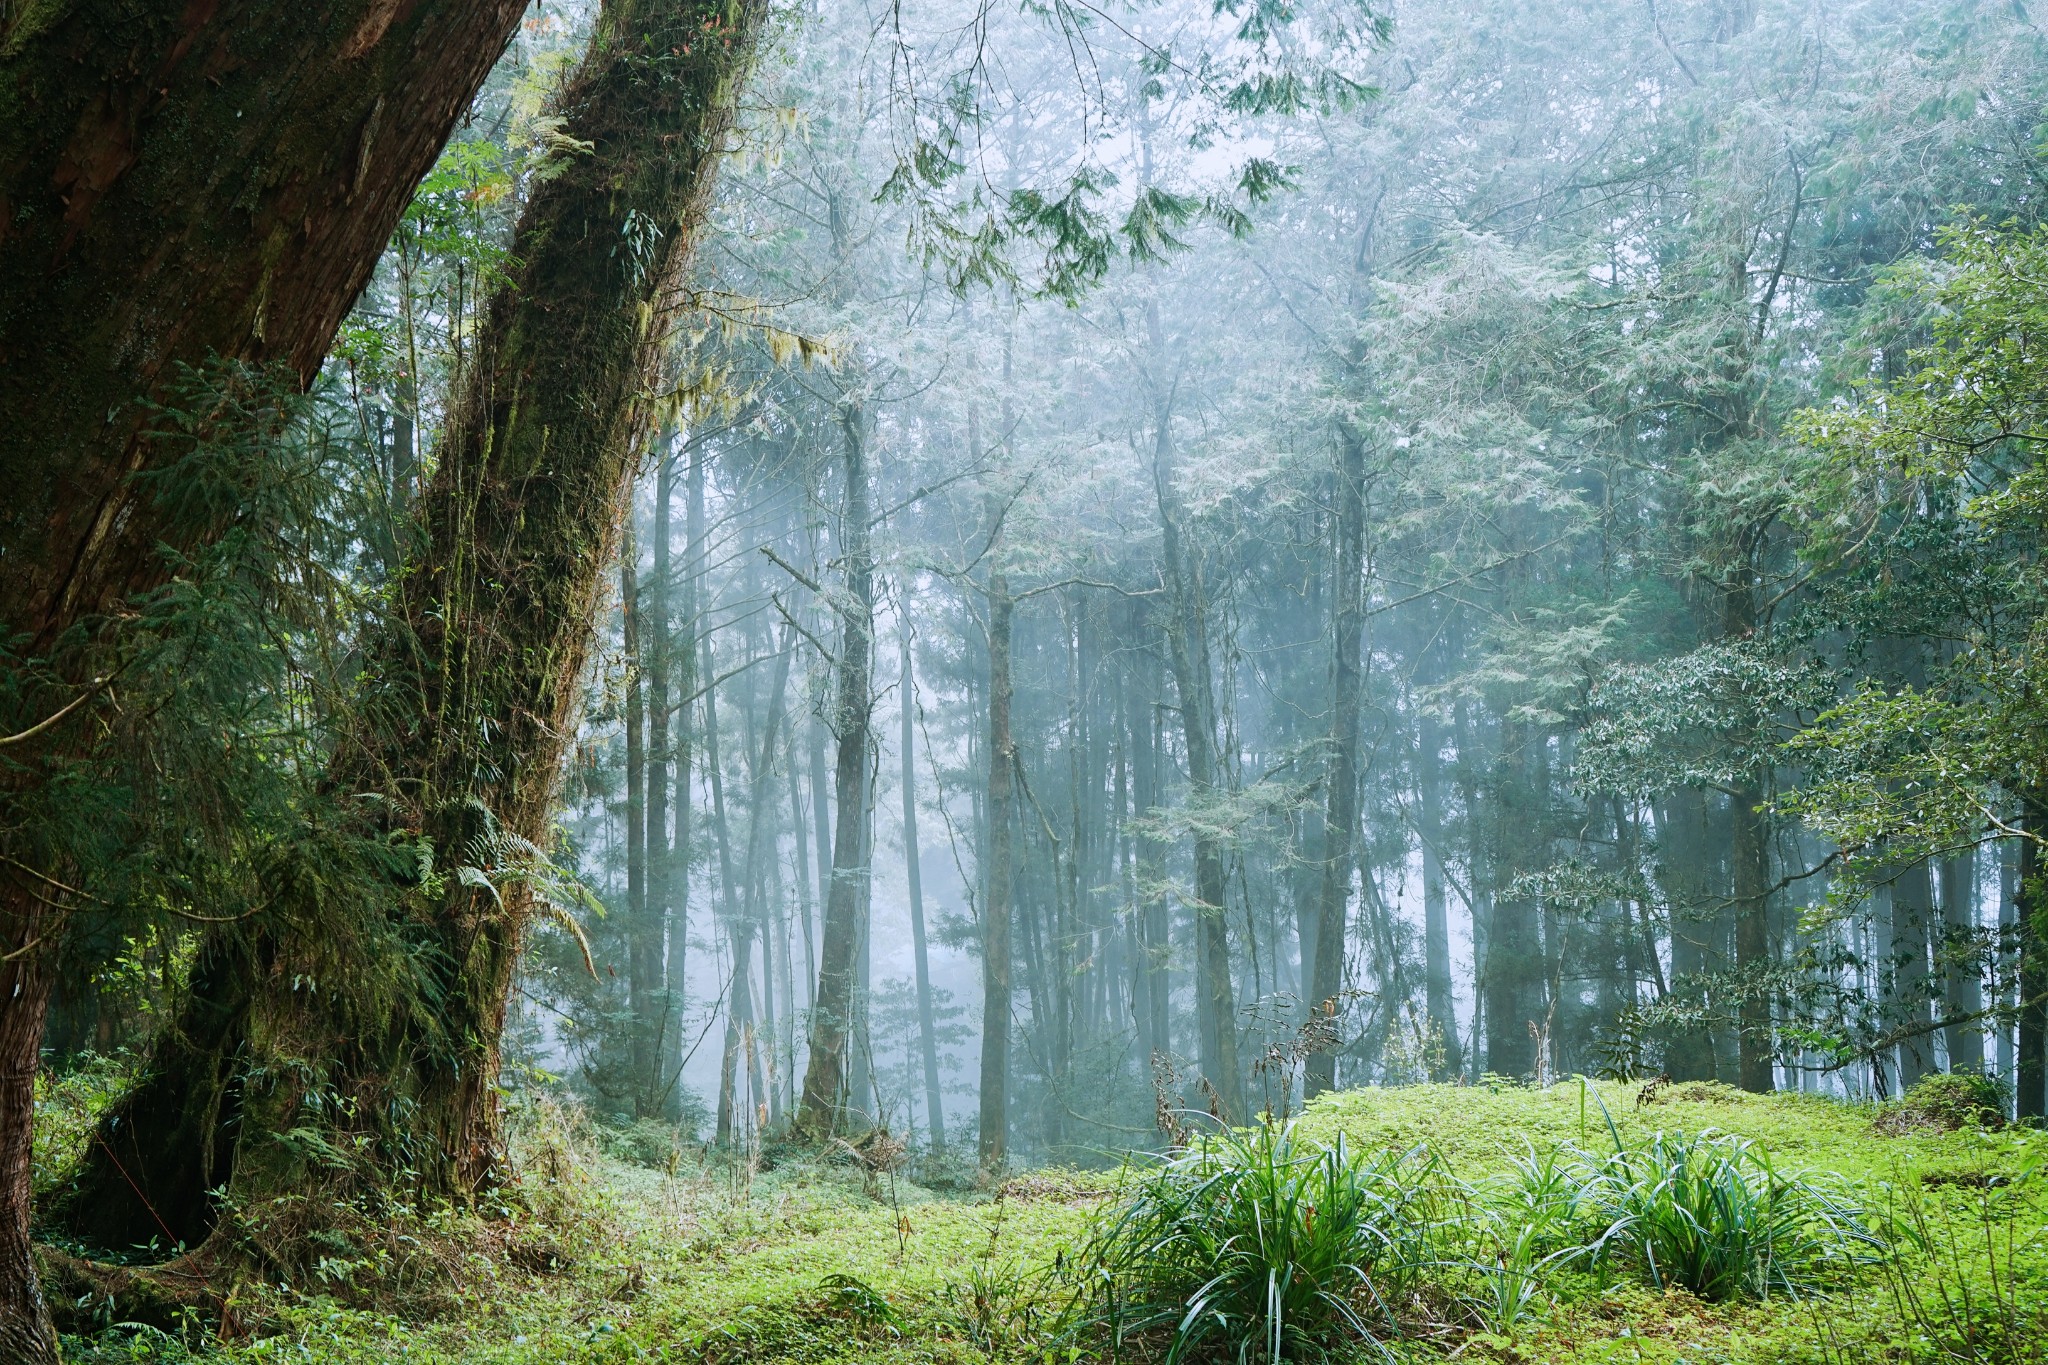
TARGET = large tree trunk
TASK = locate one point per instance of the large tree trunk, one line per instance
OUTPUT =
(1149, 873)
(26, 1333)
(2030, 916)
(472, 696)
(829, 1073)
(187, 183)
(1340, 811)
(184, 184)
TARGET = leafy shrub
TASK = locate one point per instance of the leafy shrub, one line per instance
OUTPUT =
(653, 1143)
(68, 1107)
(1707, 1212)
(1275, 1251)
(1946, 1101)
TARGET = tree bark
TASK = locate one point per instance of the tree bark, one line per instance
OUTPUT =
(2030, 913)
(1340, 811)
(471, 696)
(26, 1333)
(184, 184)
(187, 183)
(829, 1073)
(1749, 851)
(753, 914)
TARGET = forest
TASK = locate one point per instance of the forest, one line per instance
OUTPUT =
(1171, 680)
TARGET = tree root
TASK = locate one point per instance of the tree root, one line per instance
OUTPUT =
(88, 1296)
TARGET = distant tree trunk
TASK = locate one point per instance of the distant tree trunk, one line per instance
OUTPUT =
(821, 820)
(1962, 981)
(682, 853)
(1152, 865)
(761, 833)
(864, 1095)
(1340, 811)
(926, 1027)
(1436, 926)
(995, 914)
(1912, 903)
(1682, 839)
(471, 697)
(1513, 979)
(1750, 856)
(1479, 874)
(803, 871)
(638, 1004)
(1187, 635)
(827, 1077)
(739, 934)
(739, 1022)
(654, 1016)
(1750, 853)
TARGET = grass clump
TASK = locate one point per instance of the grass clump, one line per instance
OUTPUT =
(1261, 1249)
(1708, 1212)
(1945, 1102)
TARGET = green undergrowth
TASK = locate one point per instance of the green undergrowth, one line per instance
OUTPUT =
(1687, 1224)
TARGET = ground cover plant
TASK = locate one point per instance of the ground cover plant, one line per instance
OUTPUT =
(1421, 1223)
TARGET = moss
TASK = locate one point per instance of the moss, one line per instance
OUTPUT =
(599, 1260)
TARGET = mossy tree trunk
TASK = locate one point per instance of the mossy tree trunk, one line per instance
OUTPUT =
(183, 183)
(392, 1037)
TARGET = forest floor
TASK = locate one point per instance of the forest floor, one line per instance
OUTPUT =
(621, 1249)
